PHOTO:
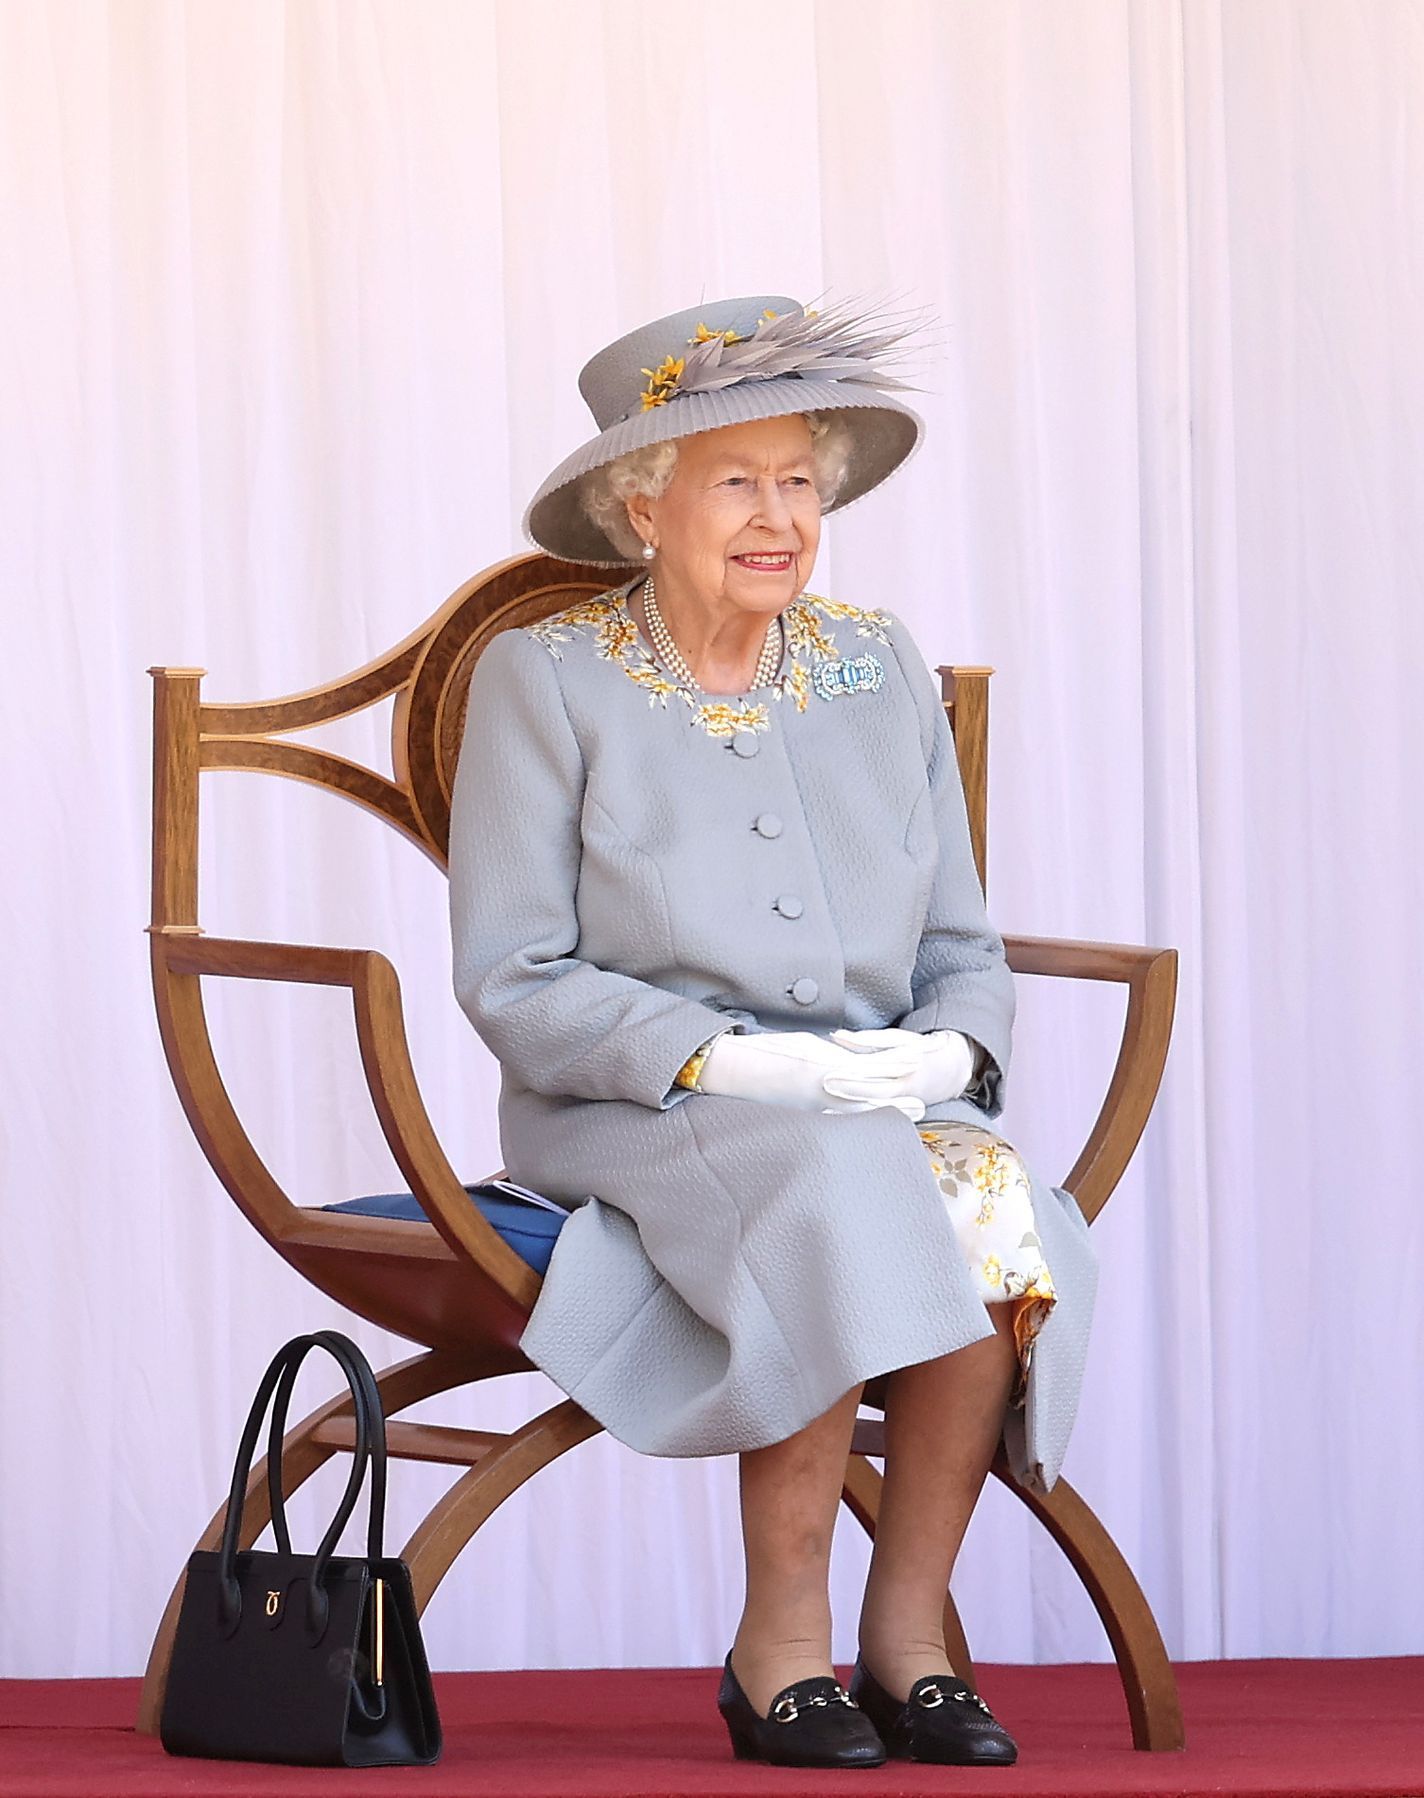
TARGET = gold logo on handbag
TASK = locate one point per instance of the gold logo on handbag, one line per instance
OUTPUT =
(273, 1600)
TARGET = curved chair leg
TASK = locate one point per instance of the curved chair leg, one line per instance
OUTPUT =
(404, 1383)
(476, 1495)
(1148, 1681)
(861, 1493)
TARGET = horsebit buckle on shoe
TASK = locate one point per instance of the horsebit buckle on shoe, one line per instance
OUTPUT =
(790, 1715)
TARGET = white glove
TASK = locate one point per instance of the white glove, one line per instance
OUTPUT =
(945, 1064)
(791, 1067)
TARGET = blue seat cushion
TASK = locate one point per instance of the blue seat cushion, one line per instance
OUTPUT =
(528, 1229)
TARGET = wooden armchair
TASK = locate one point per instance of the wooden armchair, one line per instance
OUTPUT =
(452, 1283)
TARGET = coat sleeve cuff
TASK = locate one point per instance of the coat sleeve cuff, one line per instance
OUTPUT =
(988, 1032)
(705, 1028)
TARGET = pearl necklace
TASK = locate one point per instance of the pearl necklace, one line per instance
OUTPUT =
(767, 662)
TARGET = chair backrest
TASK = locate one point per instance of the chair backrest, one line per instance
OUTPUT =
(429, 674)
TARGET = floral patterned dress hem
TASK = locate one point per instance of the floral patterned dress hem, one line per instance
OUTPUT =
(986, 1193)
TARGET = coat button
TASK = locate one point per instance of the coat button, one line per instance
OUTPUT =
(804, 990)
(769, 824)
(745, 743)
(789, 906)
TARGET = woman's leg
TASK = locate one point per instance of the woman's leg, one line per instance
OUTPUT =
(943, 1419)
(790, 1495)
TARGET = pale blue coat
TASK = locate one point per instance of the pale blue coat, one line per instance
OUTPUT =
(631, 872)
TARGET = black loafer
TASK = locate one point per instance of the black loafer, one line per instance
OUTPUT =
(943, 1720)
(811, 1723)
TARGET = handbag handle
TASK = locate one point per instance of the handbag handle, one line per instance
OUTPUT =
(283, 1368)
(366, 1396)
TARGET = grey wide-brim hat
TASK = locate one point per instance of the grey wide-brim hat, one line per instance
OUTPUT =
(779, 359)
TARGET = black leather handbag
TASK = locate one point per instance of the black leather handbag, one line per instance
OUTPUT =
(313, 1660)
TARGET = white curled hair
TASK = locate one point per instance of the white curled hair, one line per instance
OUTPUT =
(603, 493)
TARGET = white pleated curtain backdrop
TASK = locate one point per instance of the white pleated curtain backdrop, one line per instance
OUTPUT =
(294, 301)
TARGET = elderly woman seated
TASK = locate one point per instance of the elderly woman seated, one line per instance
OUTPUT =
(716, 913)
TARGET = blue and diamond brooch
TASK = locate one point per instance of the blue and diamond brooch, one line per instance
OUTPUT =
(847, 674)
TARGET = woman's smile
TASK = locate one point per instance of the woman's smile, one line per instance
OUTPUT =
(775, 562)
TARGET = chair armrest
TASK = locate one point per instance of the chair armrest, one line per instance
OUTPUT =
(1150, 976)
(179, 962)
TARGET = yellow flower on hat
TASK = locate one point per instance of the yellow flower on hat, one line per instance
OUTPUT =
(662, 381)
(706, 336)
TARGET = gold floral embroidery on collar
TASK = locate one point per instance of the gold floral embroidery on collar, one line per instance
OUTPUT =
(808, 641)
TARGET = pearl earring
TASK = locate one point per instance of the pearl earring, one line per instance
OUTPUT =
(648, 552)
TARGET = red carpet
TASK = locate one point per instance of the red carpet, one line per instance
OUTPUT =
(1324, 1728)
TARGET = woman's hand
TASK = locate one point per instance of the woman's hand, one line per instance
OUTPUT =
(794, 1067)
(944, 1059)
